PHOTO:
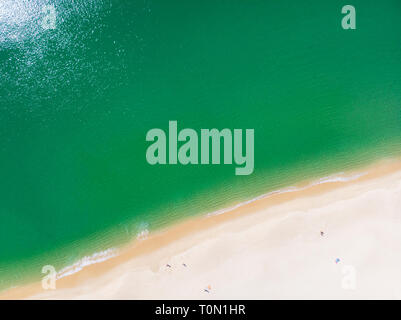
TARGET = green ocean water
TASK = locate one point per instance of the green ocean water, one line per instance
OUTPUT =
(76, 103)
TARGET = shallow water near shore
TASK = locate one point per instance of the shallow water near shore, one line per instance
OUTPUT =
(78, 100)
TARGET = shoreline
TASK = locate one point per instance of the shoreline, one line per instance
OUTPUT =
(191, 229)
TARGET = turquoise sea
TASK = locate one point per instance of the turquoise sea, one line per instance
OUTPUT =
(77, 101)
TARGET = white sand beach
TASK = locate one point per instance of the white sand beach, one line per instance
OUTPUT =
(270, 249)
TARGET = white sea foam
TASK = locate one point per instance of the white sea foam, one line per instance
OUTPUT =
(339, 177)
(143, 234)
(95, 258)
(87, 261)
